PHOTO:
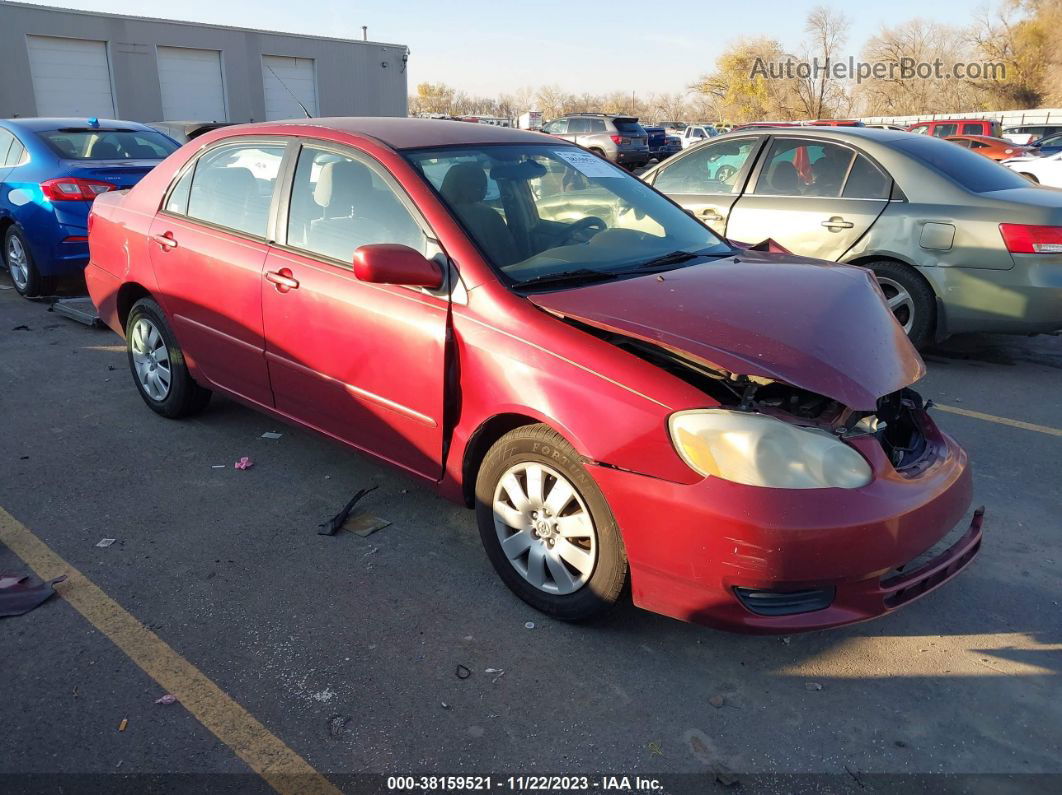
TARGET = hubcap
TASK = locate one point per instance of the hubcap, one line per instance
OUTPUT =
(545, 528)
(151, 359)
(17, 263)
(900, 302)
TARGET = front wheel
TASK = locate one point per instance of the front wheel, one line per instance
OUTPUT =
(1031, 177)
(157, 364)
(546, 526)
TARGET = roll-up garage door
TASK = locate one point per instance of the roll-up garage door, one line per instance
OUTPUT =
(71, 77)
(285, 80)
(191, 83)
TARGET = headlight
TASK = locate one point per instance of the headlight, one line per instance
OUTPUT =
(758, 450)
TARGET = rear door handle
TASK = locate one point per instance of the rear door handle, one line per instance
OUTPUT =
(284, 279)
(711, 215)
(837, 222)
(165, 240)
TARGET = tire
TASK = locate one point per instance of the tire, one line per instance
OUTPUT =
(911, 300)
(600, 153)
(583, 563)
(26, 278)
(157, 364)
(1031, 177)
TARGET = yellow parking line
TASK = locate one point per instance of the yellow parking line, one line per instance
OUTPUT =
(977, 415)
(266, 754)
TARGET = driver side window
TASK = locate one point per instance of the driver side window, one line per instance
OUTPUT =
(339, 204)
(710, 168)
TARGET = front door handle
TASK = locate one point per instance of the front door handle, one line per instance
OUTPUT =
(284, 280)
(837, 222)
(165, 240)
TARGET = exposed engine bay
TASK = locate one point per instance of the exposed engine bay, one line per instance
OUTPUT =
(897, 423)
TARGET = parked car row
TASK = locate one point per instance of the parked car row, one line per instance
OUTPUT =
(623, 395)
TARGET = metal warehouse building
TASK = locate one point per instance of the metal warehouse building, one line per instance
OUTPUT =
(60, 62)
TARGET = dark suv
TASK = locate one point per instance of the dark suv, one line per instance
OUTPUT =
(620, 139)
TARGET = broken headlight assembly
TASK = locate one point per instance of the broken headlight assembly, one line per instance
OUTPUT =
(758, 450)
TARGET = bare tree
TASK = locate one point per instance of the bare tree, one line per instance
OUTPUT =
(551, 100)
(902, 92)
(821, 94)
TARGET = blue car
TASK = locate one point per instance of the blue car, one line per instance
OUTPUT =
(50, 171)
(1049, 145)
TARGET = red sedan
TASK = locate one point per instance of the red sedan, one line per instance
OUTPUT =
(621, 395)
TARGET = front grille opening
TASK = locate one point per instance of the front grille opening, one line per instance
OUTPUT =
(903, 436)
(785, 603)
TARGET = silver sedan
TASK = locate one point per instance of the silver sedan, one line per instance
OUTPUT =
(958, 242)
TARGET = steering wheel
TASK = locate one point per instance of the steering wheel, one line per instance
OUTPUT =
(582, 225)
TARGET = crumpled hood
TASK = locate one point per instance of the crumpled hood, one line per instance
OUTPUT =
(816, 326)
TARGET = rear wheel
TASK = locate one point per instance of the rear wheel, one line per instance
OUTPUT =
(600, 153)
(24, 274)
(909, 298)
(157, 364)
(546, 526)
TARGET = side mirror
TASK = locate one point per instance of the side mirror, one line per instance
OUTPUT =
(389, 263)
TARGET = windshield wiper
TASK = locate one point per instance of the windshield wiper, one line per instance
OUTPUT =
(671, 258)
(585, 275)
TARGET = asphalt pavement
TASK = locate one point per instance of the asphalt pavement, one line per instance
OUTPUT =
(346, 649)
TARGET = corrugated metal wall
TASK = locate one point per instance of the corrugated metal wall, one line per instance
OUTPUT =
(354, 78)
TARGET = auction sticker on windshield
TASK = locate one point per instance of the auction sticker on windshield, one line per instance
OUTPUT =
(587, 164)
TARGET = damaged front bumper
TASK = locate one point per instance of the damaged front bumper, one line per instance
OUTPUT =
(743, 559)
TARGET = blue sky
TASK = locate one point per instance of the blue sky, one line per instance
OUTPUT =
(488, 47)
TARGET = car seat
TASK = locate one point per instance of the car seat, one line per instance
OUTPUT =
(463, 188)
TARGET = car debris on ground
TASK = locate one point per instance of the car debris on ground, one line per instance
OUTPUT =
(330, 527)
(365, 524)
(20, 593)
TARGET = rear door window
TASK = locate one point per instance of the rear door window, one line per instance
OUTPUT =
(866, 181)
(233, 186)
(973, 129)
(796, 167)
(6, 142)
(576, 126)
(16, 153)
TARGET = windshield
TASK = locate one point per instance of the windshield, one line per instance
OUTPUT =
(93, 144)
(538, 211)
(972, 171)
